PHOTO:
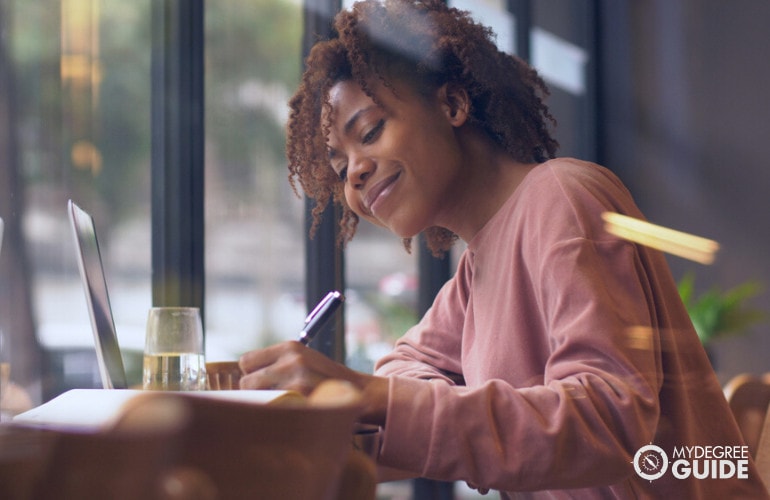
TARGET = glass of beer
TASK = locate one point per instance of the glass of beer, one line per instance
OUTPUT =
(173, 350)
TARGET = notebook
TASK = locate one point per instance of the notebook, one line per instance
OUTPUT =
(111, 370)
(95, 409)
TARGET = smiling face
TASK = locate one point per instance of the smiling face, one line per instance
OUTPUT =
(399, 158)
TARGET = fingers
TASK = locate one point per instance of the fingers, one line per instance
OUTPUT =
(258, 359)
(288, 365)
(260, 379)
(482, 491)
(267, 368)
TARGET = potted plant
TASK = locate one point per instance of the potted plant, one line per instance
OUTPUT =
(718, 313)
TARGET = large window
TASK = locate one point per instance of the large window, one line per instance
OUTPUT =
(78, 79)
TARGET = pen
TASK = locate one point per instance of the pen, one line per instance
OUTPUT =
(319, 315)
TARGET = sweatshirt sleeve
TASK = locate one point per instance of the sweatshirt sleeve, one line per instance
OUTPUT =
(432, 348)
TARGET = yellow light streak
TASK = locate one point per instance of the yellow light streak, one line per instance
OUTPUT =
(667, 240)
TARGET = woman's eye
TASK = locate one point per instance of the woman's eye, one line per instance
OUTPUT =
(343, 174)
(372, 134)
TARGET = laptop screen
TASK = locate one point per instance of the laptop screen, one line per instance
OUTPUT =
(111, 368)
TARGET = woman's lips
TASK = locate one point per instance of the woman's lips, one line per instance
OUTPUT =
(378, 192)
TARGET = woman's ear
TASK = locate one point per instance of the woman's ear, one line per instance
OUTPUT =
(455, 103)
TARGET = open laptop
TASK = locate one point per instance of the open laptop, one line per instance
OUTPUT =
(110, 362)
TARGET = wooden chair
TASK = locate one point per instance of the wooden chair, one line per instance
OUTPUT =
(749, 398)
(294, 448)
(128, 461)
(179, 446)
(763, 452)
(121, 463)
(23, 456)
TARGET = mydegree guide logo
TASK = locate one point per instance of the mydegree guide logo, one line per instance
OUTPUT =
(651, 462)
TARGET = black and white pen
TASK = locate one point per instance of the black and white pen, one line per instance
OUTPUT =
(320, 315)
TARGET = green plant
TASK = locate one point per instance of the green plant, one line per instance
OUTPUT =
(720, 313)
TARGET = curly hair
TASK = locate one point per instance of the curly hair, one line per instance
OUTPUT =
(424, 44)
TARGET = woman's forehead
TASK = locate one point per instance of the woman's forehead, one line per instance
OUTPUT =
(345, 98)
(345, 90)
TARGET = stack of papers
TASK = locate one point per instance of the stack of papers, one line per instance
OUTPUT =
(92, 409)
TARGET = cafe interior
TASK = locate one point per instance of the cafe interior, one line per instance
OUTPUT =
(164, 120)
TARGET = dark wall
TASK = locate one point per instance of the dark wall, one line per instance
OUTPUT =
(685, 122)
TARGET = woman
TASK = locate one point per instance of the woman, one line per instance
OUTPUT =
(557, 351)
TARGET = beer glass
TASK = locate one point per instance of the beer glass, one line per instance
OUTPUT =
(173, 350)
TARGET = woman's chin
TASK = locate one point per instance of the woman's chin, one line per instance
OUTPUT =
(395, 226)
(404, 232)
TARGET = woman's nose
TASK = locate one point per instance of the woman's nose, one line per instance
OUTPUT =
(359, 170)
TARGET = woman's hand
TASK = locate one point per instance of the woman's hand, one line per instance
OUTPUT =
(292, 366)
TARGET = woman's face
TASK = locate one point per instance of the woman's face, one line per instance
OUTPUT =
(399, 159)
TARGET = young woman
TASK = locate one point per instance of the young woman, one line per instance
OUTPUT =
(557, 351)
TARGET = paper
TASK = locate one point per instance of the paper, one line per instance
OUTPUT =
(92, 409)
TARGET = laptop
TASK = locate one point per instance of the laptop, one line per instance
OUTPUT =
(111, 369)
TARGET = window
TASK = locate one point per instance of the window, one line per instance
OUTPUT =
(78, 77)
(254, 222)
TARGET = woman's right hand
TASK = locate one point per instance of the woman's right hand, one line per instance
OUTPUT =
(293, 366)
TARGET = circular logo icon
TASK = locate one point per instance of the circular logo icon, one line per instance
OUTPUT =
(650, 462)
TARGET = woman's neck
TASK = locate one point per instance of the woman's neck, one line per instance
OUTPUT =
(492, 177)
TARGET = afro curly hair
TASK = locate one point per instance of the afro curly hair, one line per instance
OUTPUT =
(424, 44)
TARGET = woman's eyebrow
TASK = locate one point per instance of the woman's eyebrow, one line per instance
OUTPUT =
(353, 119)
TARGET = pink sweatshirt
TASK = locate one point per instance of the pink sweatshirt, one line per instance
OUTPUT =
(575, 351)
